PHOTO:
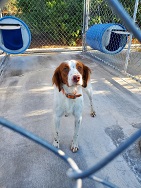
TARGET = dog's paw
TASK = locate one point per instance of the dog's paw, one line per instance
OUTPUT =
(74, 147)
(93, 114)
(56, 143)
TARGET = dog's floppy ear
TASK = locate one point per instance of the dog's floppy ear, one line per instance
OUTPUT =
(86, 75)
(56, 79)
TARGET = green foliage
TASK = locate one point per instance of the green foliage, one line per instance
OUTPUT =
(101, 13)
(60, 20)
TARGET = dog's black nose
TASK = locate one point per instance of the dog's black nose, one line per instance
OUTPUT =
(76, 78)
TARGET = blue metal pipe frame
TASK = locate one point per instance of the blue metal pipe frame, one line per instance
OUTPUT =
(74, 172)
(124, 16)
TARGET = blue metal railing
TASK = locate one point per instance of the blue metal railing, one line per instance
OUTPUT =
(74, 172)
(125, 17)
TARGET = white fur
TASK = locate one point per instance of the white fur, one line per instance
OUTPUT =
(66, 106)
(73, 71)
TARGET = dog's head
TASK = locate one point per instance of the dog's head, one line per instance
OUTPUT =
(71, 73)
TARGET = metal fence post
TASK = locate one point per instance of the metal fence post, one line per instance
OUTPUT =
(0, 13)
(130, 38)
(85, 24)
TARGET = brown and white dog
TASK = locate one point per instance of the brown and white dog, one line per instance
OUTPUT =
(69, 78)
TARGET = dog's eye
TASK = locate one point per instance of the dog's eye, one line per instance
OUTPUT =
(79, 68)
(66, 69)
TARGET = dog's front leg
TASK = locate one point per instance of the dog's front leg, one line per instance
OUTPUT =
(56, 131)
(74, 145)
(89, 92)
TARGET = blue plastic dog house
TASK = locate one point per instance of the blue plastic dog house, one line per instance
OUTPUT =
(15, 36)
(108, 38)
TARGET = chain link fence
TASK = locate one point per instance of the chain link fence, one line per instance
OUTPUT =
(53, 23)
(59, 24)
(129, 59)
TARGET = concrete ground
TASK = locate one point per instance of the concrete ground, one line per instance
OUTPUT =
(26, 99)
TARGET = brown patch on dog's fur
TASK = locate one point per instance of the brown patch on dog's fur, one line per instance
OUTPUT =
(61, 75)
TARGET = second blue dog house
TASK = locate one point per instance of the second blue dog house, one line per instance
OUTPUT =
(108, 38)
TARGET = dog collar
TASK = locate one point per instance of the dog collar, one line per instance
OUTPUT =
(71, 95)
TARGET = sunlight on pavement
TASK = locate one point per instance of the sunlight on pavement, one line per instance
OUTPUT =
(38, 113)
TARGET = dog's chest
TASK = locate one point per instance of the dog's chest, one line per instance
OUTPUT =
(67, 106)
(73, 106)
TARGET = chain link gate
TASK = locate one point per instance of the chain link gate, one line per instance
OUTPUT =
(129, 59)
(53, 24)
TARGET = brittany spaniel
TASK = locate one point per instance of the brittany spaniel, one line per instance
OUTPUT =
(69, 78)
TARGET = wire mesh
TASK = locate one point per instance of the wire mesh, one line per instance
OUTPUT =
(52, 23)
(58, 23)
(129, 59)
